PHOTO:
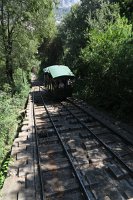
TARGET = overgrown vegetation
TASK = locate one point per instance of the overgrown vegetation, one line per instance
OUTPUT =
(10, 107)
(96, 41)
(23, 26)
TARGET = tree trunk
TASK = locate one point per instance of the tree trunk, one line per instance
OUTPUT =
(7, 41)
(9, 71)
(9, 66)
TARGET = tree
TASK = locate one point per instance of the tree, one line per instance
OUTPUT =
(97, 42)
(126, 8)
(30, 17)
(108, 58)
(72, 31)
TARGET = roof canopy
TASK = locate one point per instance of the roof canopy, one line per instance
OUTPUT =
(58, 71)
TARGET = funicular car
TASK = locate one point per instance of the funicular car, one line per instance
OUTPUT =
(58, 79)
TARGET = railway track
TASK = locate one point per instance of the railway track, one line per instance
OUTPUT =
(110, 140)
(78, 157)
(59, 178)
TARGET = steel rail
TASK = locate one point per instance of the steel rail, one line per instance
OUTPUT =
(42, 195)
(85, 193)
(99, 140)
(100, 121)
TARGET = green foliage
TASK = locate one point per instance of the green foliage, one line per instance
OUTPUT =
(24, 49)
(50, 51)
(104, 45)
(71, 33)
(83, 18)
(97, 42)
(21, 82)
(9, 109)
(23, 26)
(126, 8)
(108, 60)
(3, 171)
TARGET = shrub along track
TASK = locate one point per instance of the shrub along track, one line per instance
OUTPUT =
(78, 157)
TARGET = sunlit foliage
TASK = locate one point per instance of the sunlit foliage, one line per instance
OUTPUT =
(97, 40)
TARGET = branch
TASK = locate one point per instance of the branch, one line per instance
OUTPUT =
(18, 17)
(3, 25)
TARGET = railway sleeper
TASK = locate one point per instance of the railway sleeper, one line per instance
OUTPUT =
(48, 140)
(129, 162)
(109, 193)
(46, 132)
(79, 159)
(53, 156)
(117, 171)
(84, 134)
(72, 121)
(69, 117)
(51, 175)
(90, 124)
(75, 194)
(96, 156)
(50, 167)
(55, 187)
(124, 154)
(99, 130)
(53, 148)
(127, 188)
(54, 162)
(70, 128)
(101, 185)
(64, 113)
(42, 126)
(70, 134)
(90, 144)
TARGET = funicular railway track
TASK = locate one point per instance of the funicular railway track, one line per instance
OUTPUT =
(111, 141)
(80, 158)
(59, 178)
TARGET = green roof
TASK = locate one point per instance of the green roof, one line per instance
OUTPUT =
(58, 70)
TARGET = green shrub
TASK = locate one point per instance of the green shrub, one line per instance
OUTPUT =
(108, 58)
(9, 109)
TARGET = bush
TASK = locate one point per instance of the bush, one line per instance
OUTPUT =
(9, 109)
(108, 58)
